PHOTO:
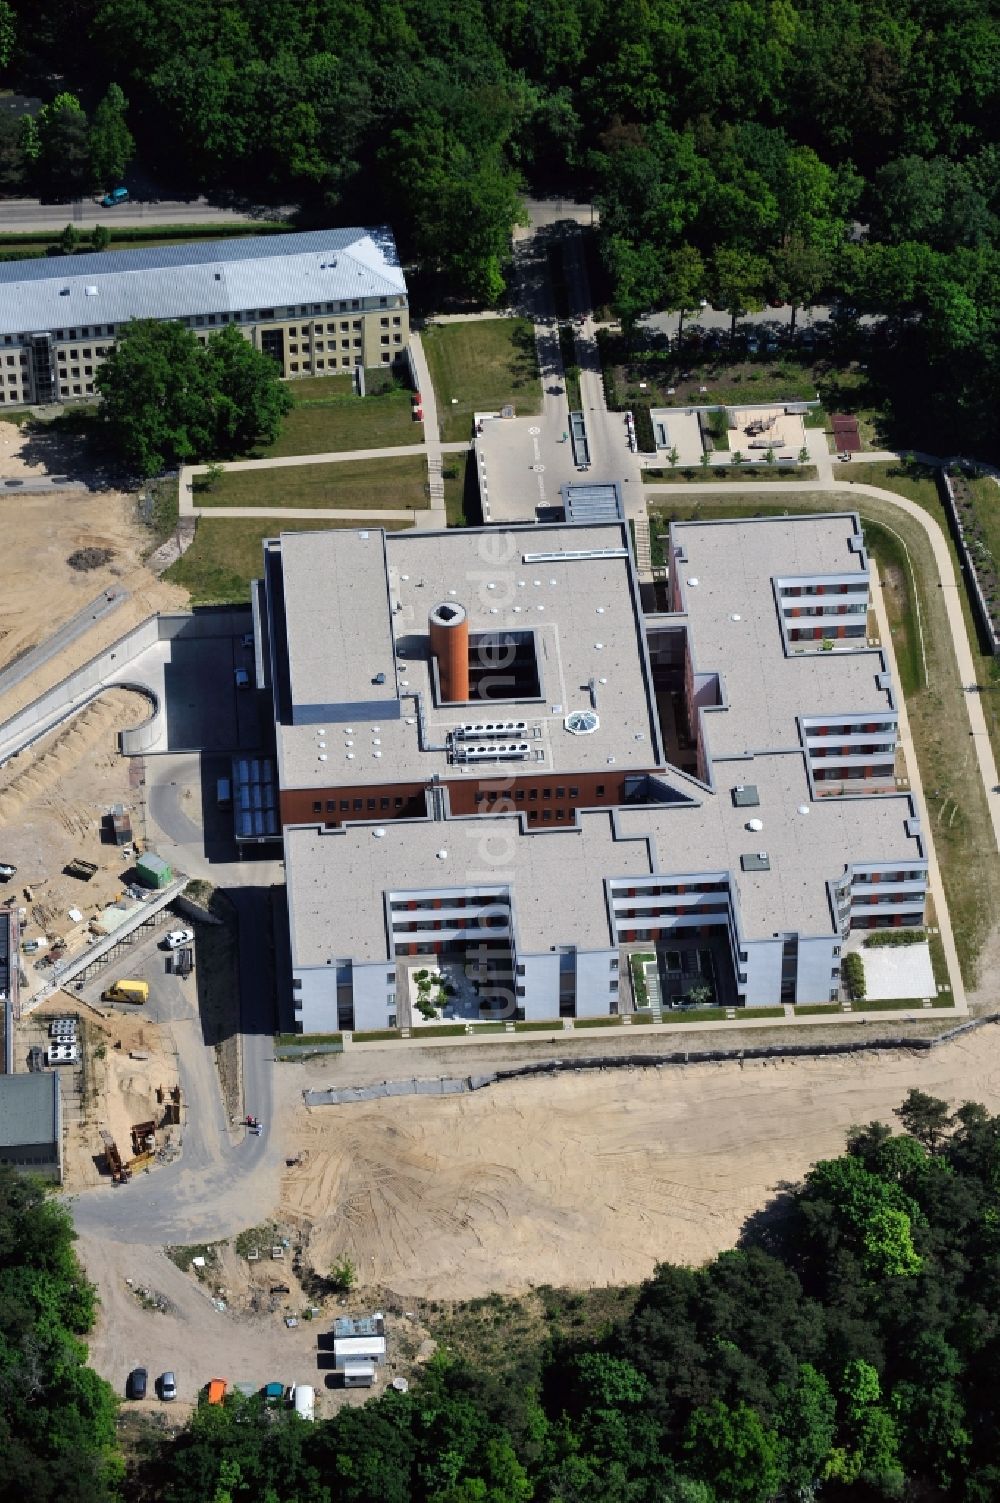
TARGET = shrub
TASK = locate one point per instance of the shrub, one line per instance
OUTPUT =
(883, 938)
(853, 972)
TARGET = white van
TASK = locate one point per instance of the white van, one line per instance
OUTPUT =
(304, 1401)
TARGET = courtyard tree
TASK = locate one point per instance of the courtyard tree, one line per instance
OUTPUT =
(63, 160)
(683, 282)
(169, 400)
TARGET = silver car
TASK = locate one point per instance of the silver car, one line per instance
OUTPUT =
(168, 1387)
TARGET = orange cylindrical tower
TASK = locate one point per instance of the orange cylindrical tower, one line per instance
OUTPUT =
(449, 628)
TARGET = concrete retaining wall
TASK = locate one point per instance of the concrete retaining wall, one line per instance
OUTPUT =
(458, 1085)
(979, 606)
(76, 691)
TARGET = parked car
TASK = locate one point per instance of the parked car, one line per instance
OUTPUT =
(114, 198)
(178, 937)
(138, 1379)
(6, 871)
(168, 1387)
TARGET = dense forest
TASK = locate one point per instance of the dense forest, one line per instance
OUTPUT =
(792, 149)
(848, 1349)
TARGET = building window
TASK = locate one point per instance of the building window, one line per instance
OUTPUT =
(546, 814)
(384, 323)
(371, 803)
(396, 322)
(317, 807)
(356, 323)
(319, 345)
(357, 360)
(600, 790)
(357, 344)
(384, 339)
(546, 793)
(88, 370)
(293, 365)
(346, 360)
(293, 349)
(397, 339)
(383, 803)
(320, 365)
(345, 804)
(345, 344)
(532, 813)
(331, 805)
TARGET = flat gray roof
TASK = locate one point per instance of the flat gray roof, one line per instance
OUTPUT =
(337, 879)
(338, 620)
(29, 1109)
(765, 689)
(203, 276)
(805, 851)
(572, 587)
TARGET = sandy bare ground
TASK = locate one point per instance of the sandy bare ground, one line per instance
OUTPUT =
(52, 801)
(584, 1180)
(41, 591)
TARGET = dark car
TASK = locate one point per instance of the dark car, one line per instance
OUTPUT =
(138, 1380)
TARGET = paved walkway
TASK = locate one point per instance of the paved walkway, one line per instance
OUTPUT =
(437, 517)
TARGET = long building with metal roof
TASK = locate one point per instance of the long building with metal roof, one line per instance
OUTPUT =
(320, 303)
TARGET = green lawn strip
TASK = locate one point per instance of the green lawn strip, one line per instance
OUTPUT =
(283, 1040)
(130, 234)
(571, 370)
(375, 1035)
(702, 1015)
(462, 505)
(327, 424)
(227, 553)
(386, 484)
(917, 483)
(637, 966)
(899, 595)
(478, 367)
(488, 1027)
(549, 1025)
(892, 1004)
(814, 1009)
(596, 1022)
(448, 1030)
(960, 822)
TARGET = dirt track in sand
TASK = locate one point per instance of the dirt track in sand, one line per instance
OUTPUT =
(588, 1179)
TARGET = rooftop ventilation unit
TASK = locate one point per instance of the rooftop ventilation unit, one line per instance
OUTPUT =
(471, 732)
(499, 751)
(582, 722)
(573, 555)
(756, 861)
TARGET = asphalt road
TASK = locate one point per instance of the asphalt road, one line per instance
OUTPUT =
(30, 214)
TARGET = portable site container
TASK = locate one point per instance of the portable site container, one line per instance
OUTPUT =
(153, 870)
(358, 1374)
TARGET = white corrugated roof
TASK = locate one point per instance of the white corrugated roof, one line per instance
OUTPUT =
(207, 276)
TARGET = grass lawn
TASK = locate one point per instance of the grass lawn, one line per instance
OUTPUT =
(328, 419)
(961, 828)
(907, 478)
(480, 365)
(226, 555)
(390, 484)
(461, 492)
